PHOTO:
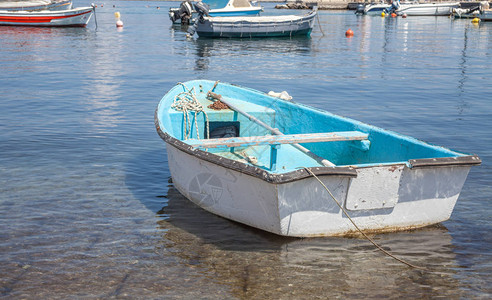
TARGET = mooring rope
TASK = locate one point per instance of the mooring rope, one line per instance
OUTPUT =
(319, 24)
(357, 227)
(187, 102)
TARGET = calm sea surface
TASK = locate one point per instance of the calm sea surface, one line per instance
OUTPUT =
(87, 207)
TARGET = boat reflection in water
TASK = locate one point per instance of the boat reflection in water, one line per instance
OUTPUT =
(256, 264)
(251, 49)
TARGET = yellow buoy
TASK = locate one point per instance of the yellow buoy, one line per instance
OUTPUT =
(383, 14)
(476, 20)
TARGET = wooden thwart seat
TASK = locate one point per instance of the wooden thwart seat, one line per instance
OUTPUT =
(276, 140)
(279, 139)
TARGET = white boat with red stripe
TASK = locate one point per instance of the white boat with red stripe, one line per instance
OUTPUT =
(77, 17)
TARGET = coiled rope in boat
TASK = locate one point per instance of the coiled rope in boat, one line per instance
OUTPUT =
(357, 227)
(187, 102)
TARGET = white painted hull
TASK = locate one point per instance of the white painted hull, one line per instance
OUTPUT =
(430, 9)
(73, 17)
(384, 198)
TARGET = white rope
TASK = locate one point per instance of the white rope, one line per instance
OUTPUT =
(187, 102)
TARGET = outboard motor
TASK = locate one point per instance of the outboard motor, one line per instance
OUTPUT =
(184, 13)
(360, 9)
(202, 8)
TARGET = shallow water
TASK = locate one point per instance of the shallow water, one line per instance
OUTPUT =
(87, 206)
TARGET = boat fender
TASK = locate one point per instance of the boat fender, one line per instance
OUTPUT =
(282, 95)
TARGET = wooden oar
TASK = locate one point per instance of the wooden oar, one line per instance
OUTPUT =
(275, 131)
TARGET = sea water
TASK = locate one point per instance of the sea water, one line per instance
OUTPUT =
(87, 205)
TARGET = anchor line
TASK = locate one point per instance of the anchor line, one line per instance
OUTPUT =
(319, 24)
(357, 227)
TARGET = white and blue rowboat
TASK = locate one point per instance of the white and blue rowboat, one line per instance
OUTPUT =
(36, 5)
(254, 27)
(248, 163)
(217, 8)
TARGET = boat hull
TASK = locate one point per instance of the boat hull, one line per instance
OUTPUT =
(78, 17)
(255, 27)
(400, 198)
(411, 198)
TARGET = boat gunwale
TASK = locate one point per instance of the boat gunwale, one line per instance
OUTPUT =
(277, 19)
(345, 171)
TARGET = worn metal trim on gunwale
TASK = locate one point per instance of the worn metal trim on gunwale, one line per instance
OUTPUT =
(468, 160)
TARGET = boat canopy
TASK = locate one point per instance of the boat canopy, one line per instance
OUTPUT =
(216, 4)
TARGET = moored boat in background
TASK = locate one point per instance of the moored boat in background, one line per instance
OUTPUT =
(373, 9)
(423, 9)
(481, 11)
(466, 13)
(76, 17)
(252, 158)
(254, 27)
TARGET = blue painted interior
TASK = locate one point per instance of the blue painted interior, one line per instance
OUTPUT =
(382, 147)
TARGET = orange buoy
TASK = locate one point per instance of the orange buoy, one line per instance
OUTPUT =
(349, 33)
(393, 15)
